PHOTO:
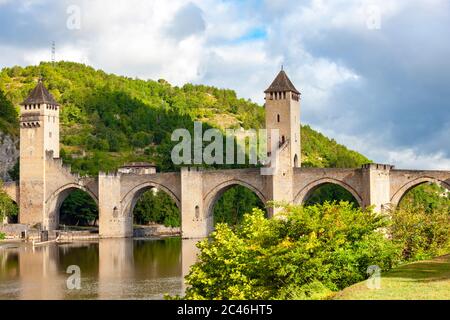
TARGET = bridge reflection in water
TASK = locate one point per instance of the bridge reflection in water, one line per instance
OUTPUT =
(110, 269)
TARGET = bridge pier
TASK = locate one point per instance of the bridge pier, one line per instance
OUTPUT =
(114, 221)
(281, 183)
(376, 186)
(195, 222)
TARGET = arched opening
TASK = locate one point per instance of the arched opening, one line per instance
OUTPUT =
(12, 213)
(231, 202)
(296, 161)
(278, 118)
(9, 210)
(155, 213)
(420, 218)
(426, 196)
(77, 210)
(329, 192)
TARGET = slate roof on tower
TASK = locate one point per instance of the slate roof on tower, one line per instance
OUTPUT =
(40, 95)
(281, 84)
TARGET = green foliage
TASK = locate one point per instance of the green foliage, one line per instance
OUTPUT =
(122, 117)
(2, 236)
(8, 208)
(107, 120)
(234, 203)
(307, 254)
(421, 223)
(14, 172)
(157, 207)
(8, 115)
(78, 209)
(330, 192)
(320, 151)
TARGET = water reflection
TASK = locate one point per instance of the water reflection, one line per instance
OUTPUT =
(110, 269)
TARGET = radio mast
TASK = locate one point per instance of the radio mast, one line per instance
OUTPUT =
(53, 53)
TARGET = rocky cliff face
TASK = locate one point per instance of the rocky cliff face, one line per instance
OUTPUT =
(9, 152)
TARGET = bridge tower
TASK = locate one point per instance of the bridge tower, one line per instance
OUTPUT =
(283, 113)
(39, 136)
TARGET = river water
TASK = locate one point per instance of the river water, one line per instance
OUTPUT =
(109, 269)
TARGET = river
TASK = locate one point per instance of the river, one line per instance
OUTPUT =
(108, 269)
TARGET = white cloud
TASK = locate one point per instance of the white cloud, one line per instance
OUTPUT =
(325, 47)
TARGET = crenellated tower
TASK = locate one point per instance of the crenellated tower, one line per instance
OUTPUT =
(39, 137)
(283, 113)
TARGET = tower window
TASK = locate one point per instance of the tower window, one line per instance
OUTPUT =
(284, 95)
(283, 139)
(278, 118)
(197, 212)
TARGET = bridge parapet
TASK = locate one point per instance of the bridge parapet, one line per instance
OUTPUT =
(404, 180)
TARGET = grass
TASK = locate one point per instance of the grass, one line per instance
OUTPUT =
(422, 280)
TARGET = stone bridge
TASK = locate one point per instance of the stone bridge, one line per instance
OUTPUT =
(45, 182)
(195, 191)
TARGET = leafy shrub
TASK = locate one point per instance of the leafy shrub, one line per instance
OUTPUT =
(421, 223)
(2, 236)
(307, 253)
(8, 208)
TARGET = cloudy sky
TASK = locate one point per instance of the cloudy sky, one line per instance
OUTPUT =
(374, 75)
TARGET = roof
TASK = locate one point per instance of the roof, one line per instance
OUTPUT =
(40, 95)
(281, 84)
(138, 165)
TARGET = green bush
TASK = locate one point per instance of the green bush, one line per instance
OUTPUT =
(421, 223)
(2, 236)
(8, 208)
(307, 253)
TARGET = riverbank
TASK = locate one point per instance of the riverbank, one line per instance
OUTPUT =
(421, 280)
(76, 233)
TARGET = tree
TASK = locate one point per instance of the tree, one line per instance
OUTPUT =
(8, 115)
(78, 209)
(309, 253)
(234, 203)
(421, 223)
(8, 208)
(157, 207)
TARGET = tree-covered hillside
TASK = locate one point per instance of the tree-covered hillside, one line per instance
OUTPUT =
(107, 120)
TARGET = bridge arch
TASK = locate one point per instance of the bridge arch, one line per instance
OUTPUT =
(130, 199)
(55, 200)
(403, 190)
(304, 193)
(12, 190)
(213, 195)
